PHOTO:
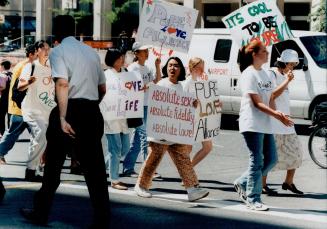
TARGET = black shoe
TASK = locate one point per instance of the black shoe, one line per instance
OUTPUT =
(269, 191)
(34, 217)
(31, 177)
(77, 170)
(292, 188)
(2, 191)
(130, 174)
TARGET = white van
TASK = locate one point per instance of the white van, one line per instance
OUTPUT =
(220, 53)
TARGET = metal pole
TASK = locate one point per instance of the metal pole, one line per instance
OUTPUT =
(22, 25)
(140, 9)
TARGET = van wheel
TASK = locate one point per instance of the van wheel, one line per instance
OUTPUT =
(313, 113)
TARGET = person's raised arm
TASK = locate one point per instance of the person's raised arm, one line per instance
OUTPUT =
(158, 71)
(280, 88)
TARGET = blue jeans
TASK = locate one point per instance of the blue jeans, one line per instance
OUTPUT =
(139, 143)
(9, 138)
(118, 146)
(263, 157)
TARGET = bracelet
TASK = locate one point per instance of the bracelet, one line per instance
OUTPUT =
(62, 118)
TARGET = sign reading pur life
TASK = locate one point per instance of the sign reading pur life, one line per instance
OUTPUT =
(166, 25)
(259, 20)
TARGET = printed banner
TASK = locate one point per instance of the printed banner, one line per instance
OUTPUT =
(124, 97)
(258, 20)
(45, 88)
(170, 115)
(208, 111)
(166, 25)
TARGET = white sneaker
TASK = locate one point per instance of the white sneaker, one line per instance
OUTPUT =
(196, 194)
(241, 192)
(257, 206)
(142, 192)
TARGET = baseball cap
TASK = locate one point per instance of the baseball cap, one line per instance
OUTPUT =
(138, 46)
(288, 56)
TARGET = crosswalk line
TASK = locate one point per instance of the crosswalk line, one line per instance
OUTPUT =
(221, 204)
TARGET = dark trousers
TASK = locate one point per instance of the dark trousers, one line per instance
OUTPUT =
(2, 190)
(86, 120)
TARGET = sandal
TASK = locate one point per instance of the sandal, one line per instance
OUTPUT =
(119, 186)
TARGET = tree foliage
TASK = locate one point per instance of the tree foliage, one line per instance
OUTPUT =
(77, 15)
(4, 2)
(113, 15)
(319, 17)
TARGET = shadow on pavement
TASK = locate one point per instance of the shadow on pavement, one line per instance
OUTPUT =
(230, 122)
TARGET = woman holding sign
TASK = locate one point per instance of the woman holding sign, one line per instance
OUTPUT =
(116, 131)
(180, 153)
(37, 104)
(255, 123)
(139, 143)
(196, 68)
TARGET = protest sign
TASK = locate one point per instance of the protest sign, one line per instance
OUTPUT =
(166, 25)
(208, 111)
(258, 20)
(124, 97)
(170, 115)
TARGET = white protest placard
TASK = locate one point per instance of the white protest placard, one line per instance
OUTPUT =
(170, 115)
(258, 20)
(124, 97)
(208, 111)
(166, 25)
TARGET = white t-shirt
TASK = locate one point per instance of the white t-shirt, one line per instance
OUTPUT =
(40, 95)
(119, 125)
(252, 119)
(80, 65)
(189, 85)
(147, 76)
(282, 104)
(168, 84)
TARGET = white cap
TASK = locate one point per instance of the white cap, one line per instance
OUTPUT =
(138, 46)
(289, 56)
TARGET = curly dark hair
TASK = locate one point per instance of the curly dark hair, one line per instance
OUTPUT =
(182, 74)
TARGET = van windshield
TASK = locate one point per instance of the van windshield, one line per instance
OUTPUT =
(317, 47)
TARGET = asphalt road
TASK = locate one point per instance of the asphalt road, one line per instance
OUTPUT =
(169, 206)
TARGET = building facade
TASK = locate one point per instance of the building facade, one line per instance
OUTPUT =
(38, 16)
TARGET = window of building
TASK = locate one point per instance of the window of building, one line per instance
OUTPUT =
(222, 52)
(213, 13)
(296, 15)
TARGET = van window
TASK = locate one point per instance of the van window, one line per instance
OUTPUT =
(222, 52)
(317, 47)
(278, 48)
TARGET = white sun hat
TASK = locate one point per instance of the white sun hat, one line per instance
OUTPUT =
(138, 46)
(289, 56)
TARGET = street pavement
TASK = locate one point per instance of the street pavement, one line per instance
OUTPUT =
(169, 206)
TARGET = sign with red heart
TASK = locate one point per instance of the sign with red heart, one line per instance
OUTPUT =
(166, 25)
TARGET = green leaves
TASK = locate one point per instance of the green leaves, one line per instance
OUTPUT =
(4, 2)
(113, 15)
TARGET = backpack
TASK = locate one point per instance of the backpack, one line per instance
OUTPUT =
(18, 96)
